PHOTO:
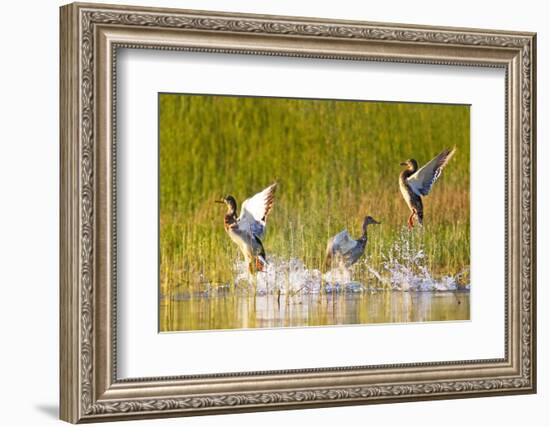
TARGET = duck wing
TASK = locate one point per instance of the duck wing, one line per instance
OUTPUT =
(341, 243)
(423, 179)
(255, 210)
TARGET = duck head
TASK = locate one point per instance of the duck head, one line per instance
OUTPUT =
(367, 221)
(230, 202)
(411, 165)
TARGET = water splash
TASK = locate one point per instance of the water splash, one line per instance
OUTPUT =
(284, 276)
(403, 269)
(405, 264)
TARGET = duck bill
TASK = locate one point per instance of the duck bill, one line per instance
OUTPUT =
(403, 164)
(219, 201)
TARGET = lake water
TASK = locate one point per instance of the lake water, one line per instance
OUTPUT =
(245, 311)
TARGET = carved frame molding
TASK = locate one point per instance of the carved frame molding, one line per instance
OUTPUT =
(90, 37)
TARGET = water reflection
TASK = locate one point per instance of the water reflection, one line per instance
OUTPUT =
(233, 311)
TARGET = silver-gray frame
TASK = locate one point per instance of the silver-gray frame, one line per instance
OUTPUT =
(90, 37)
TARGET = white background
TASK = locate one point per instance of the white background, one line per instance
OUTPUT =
(260, 350)
(29, 175)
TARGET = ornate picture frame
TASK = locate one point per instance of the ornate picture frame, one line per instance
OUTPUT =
(90, 37)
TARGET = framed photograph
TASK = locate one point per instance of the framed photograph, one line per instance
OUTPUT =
(307, 272)
(265, 212)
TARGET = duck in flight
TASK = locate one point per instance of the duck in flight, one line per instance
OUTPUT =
(342, 249)
(415, 183)
(248, 230)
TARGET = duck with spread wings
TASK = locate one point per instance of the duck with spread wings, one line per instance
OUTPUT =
(415, 183)
(248, 229)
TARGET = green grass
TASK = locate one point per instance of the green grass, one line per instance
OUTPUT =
(335, 162)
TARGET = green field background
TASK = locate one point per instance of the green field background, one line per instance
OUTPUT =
(335, 162)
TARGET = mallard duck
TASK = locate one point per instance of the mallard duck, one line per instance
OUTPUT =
(248, 230)
(415, 183)
(342, 249)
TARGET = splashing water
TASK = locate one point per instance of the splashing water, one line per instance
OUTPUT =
(284, 276)
(403, 269)
(405, 265)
